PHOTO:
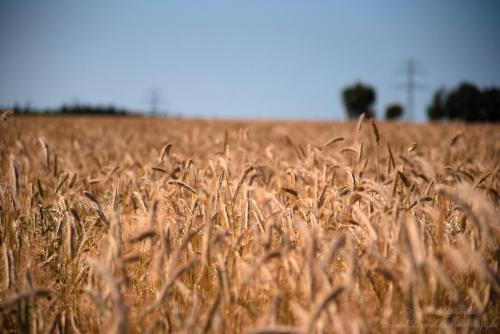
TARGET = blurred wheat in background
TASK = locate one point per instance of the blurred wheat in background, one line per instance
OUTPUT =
(143, 225)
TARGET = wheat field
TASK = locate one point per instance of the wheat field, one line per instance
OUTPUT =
(194, 226)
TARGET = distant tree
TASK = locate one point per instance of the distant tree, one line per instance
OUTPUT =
(393, 111)
(465, 103)
(437, 109)
(358, 99)
(491, 104)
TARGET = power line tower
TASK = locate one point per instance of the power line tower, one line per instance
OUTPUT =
(154, 102)
(411, 70)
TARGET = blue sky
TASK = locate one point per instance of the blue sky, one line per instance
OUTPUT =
(241, 59)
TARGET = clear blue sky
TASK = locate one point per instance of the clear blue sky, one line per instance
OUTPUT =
(250, 58)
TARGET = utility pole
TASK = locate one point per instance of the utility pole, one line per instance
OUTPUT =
(154, 102)
(411, 71)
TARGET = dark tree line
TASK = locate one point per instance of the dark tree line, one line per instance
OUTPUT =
(74, 109)
(466, 102)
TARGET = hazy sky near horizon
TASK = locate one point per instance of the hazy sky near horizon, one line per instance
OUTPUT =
(241, 59)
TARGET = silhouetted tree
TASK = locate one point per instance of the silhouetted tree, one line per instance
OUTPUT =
(491, 104)
(393, 111)
(358, 99)
(437, 109)
(467, 103)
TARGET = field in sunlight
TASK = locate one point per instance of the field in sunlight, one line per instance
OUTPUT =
(144, 225)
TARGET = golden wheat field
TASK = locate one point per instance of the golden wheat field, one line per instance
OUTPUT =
(188, 226)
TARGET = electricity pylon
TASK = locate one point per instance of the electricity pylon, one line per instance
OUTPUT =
(411, 70)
